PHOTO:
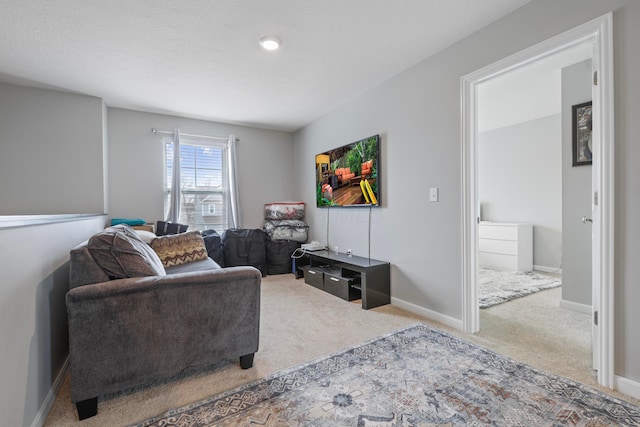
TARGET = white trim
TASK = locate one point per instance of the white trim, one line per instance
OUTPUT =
(13, 221)
(600, 32)
(546, 269)
(627, 386)
(429, 314)
(576, 306)
(47, 404)
(470, 211)
(604, 228)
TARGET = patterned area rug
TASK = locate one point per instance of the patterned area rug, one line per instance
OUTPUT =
(498, 286)
(417, 376)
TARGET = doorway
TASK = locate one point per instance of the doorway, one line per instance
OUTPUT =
(599, 32)
(531, 200)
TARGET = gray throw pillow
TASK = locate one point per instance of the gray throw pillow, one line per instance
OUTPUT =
(121, 253)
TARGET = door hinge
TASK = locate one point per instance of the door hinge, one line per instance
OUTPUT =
(595, 78)
(595, 198)
(595, 318)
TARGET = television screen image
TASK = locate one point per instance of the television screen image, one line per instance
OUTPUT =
(349, 175)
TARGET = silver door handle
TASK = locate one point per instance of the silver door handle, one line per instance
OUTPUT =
(586, 220)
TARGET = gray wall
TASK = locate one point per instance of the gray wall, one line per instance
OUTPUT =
(51, 162)
(55, 152)
(265, 159)
(418, 115)
(576, 201)
(51, 146)
(520, 180)
(34, 261)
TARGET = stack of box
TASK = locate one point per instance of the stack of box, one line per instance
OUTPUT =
(286, 230)
(284, 221)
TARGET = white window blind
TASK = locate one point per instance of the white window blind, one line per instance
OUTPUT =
(204, 200)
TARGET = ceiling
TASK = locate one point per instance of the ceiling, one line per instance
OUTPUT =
(201, 58)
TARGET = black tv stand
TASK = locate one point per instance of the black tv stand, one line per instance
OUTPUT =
(350, 277)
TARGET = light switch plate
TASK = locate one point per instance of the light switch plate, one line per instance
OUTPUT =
(433, 194)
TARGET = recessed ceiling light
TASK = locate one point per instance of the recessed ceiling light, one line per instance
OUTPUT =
(270, 43)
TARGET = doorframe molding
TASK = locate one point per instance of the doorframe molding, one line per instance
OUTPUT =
(600, 32)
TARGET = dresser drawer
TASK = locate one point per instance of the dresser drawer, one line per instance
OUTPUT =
(314, 277)
(501, 262)
(342, 287)
(498, 232)
(506, 247)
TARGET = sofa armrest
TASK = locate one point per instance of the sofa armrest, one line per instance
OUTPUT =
(128, 332)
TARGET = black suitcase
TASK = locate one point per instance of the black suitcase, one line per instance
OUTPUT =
(214, 246)
(279, 256)
(245, 247)
(163, 228)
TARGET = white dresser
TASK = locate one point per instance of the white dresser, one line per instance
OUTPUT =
(505, 245)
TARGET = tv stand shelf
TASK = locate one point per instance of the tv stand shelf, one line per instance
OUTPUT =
(350, 277)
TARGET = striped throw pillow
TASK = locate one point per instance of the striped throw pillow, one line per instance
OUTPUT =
(176, 249)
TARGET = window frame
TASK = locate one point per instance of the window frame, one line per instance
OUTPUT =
(222, 194)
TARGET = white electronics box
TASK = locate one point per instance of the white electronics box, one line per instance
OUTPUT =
(314, 246)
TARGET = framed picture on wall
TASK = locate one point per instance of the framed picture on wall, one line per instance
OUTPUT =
(581, 134)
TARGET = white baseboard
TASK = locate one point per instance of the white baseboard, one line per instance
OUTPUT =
(575, 306)
(627, 386)
(43, 412)
(547, 269)
(429, 314)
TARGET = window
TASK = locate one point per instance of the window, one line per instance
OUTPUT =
(204, 194)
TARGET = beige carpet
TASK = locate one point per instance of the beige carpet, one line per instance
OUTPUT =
(300, 323)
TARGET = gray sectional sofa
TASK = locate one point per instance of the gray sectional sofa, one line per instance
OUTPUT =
(133, 321)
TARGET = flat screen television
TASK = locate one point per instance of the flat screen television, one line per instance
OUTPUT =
(349, 175)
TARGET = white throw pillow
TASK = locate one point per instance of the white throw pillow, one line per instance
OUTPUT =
(145, 236)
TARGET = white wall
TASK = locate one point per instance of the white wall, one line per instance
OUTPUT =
(527, 93)
(519, 96)
(265, 159)
(520, 180)
(50, 152)
(34, 261)
(576, 201)
(418, 115)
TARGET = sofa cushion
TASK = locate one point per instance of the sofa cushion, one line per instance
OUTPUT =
(190, 267)
(120, 253)
(176, 249)
(145, 236)
(83, 269)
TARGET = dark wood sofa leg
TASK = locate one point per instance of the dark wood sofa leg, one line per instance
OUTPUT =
(246, 361)
(87, 408)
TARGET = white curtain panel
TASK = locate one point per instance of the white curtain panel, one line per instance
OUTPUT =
(174, 205)
(234, 201)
